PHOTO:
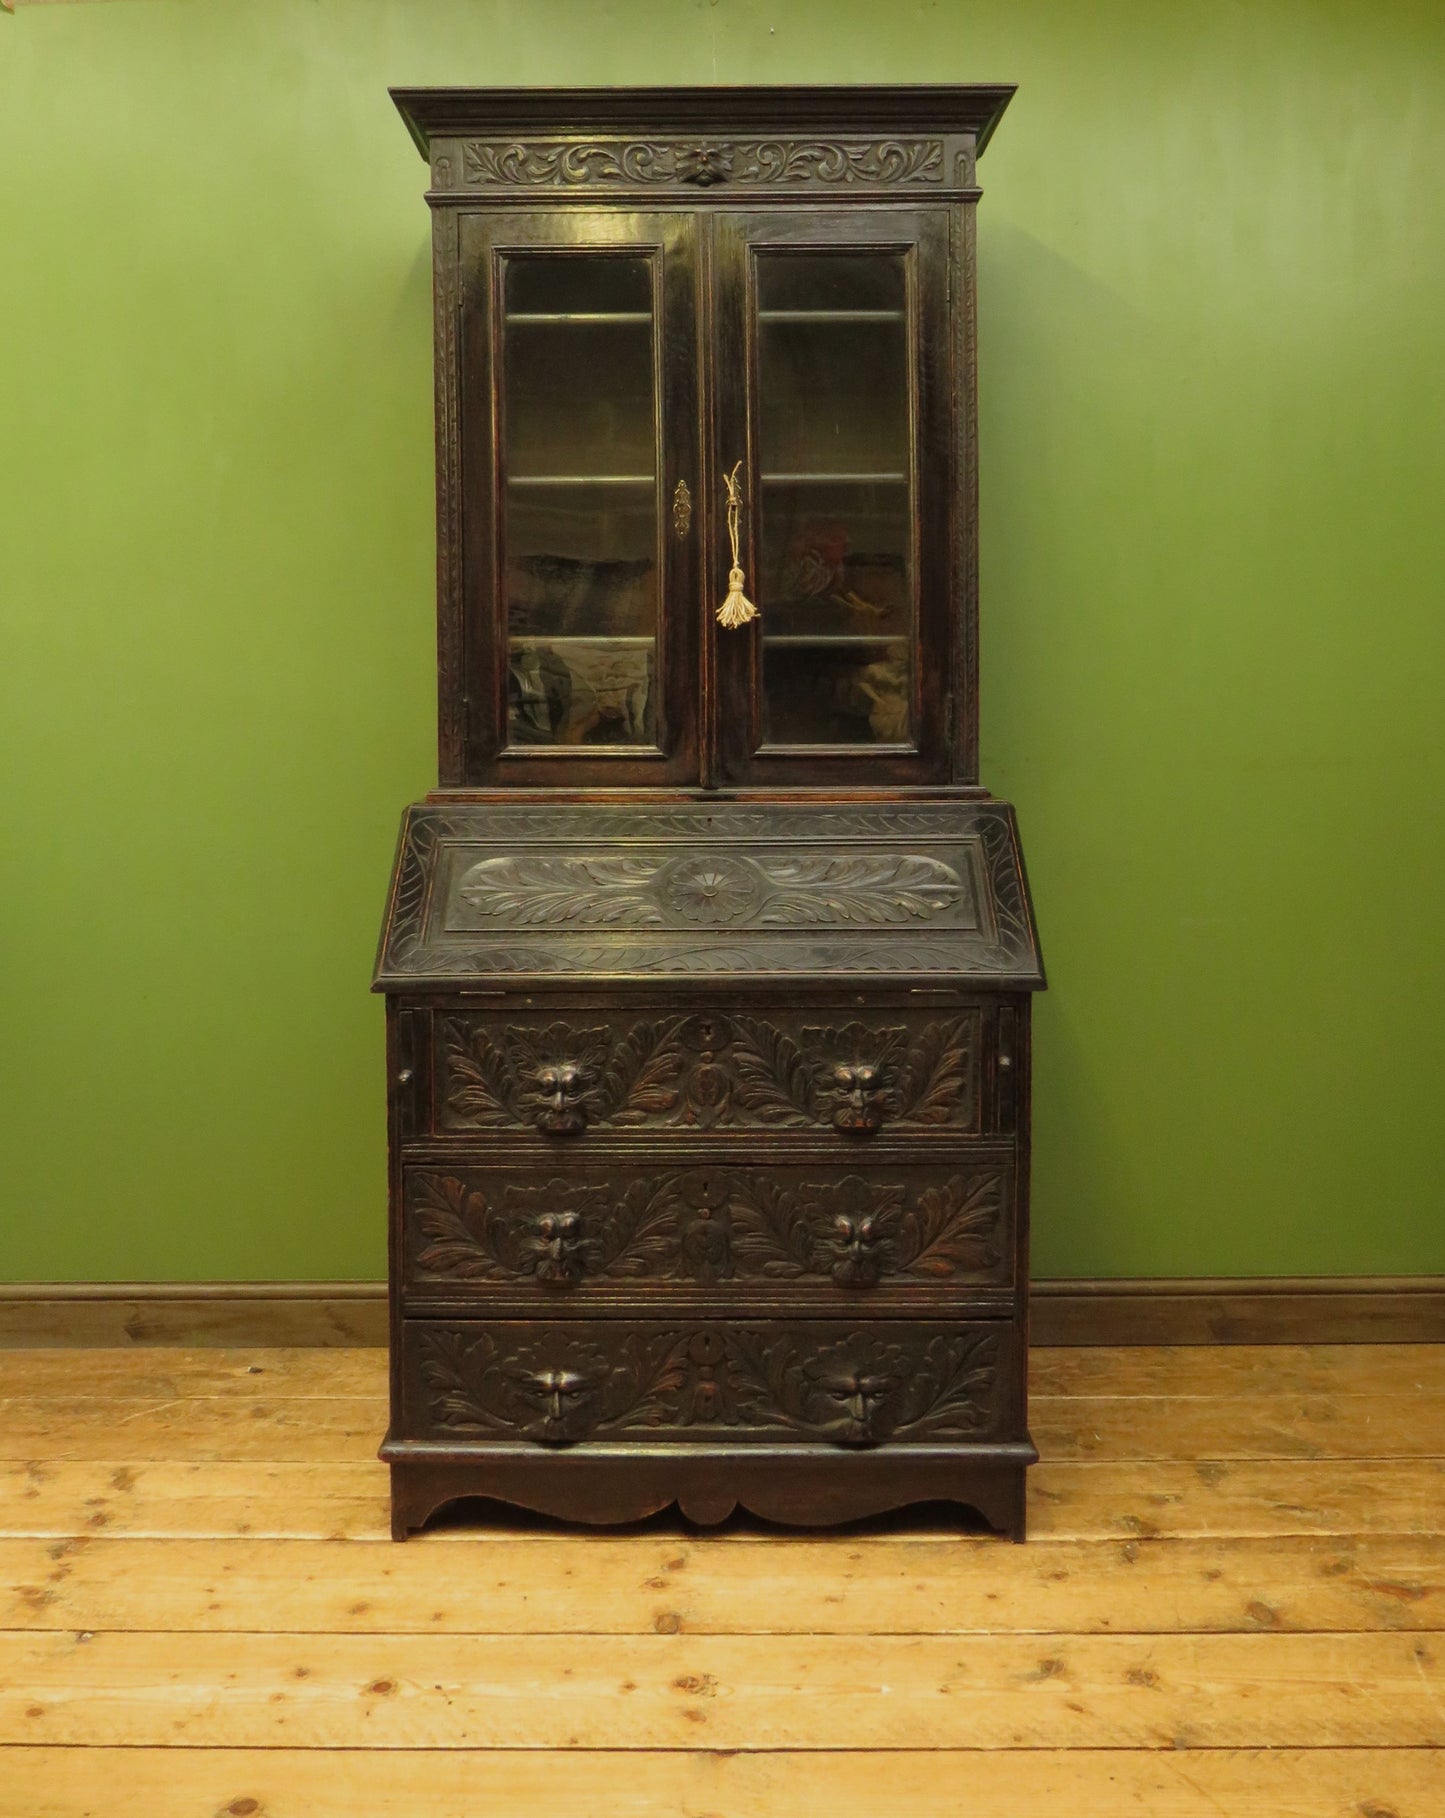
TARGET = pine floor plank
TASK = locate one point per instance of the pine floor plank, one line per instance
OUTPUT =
(1067, 1501)
(58, 1497)
(1220, 1372)
(723, 1691)
(290, 1430)
(164, 1373)
(1095, 1783)
(647, 1584)
(348, 1428)
(1285, 1426)
(1231, 1603)
(1235, 1498)
(1214, 1372)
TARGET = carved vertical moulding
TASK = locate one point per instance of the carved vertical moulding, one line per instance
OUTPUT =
(451, 731)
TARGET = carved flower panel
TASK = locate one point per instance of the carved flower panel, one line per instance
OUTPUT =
(710, 1071)
(484, 891)
(698, 1227)
(719, 889)
(563, 1383)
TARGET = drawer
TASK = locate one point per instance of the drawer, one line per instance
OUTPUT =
(786, 1230)
(837, 1383)
(912, 1071)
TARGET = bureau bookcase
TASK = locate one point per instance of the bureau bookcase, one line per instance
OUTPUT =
(708, 965)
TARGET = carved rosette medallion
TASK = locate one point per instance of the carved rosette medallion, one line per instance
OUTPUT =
(742, 163)
(713, 890)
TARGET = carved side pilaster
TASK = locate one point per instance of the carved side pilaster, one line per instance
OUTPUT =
(450, 728)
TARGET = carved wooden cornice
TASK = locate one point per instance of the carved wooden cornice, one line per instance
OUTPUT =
(501, 142)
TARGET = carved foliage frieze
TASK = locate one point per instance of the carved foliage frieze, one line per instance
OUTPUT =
(709, 890)
(700, 1226)
(750, 163)
(708, 1071)
(561, 1384)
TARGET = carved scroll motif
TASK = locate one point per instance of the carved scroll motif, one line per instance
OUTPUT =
(572, 164)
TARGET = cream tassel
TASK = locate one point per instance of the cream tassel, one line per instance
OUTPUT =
(737, 609)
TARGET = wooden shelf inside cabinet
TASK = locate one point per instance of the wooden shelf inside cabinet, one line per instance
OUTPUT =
(835, 479)
(709, 968)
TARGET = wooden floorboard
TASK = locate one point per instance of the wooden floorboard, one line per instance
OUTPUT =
(1232, 1601)
(1148, 1371)
(465, 1783)
(659, 1584)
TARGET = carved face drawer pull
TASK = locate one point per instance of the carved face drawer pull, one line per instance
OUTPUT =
(861, 1101)
(858, 1250)
(560, 1247)
(561, 1087)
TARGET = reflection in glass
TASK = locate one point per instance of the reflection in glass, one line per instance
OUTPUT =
(579, 512)
(834, 498)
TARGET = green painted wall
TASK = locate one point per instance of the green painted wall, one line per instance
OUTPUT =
(1213, 262)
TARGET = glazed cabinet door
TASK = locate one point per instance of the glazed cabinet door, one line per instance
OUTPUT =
(579, 421)
(834, 381)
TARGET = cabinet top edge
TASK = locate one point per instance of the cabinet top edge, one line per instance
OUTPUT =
(434, 113)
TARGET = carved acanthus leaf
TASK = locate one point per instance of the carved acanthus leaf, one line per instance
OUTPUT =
(936, 1076)
(874, 890)
(640, 1077)
(481, 1089)
(953, 1229)
(774, 1075)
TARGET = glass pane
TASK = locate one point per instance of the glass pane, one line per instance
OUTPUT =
(834, 498)
(579, 509)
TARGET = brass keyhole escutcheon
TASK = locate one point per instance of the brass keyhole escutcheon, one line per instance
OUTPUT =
(681, 508)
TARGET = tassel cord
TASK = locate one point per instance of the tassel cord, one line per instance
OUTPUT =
(737, 609)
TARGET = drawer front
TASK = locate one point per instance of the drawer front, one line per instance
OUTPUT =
(786, 1230)
(907, 1071)
(838, 1383)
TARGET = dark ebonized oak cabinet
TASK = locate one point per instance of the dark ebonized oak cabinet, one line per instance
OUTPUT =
(708, 965)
